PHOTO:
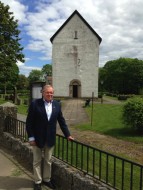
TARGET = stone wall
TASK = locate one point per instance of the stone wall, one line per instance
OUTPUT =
(6, 109)
(65, 176)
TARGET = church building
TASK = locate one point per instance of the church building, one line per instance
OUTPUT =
(75, 59)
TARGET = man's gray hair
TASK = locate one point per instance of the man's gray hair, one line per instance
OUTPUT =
(47, 86)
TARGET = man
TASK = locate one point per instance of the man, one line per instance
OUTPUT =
(41, 123)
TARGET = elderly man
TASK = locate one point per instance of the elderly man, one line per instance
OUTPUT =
(41, 123)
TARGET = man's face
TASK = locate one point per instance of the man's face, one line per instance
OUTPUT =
(48, 93)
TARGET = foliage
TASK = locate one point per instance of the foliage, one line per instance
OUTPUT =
(133, 113)
(47, 70)
(8, 79)
(10, 48)
(22, 82)
(122, 76)
(35, 75)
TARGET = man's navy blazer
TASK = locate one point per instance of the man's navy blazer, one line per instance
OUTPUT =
(38, 126)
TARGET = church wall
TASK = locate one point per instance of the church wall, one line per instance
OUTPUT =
(75, 58)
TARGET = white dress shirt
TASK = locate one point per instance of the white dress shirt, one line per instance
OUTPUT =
(48, 107)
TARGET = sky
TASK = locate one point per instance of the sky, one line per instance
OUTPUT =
(118, 22)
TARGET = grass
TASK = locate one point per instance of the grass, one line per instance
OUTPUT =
(97, 163)
(16, 172)
(2, 101)
(107, 119)
(22, 109)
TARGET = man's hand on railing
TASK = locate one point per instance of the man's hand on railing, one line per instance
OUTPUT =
(70, 138)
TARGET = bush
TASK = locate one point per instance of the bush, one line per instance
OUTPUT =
(133, 113)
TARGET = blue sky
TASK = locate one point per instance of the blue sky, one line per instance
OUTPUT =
(119, 24)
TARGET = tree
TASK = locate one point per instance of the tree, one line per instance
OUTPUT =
(22, 82)
(12, 73)
(10, 48)
(37, 75)
(47, 70)
(123, 76)
(34, 75)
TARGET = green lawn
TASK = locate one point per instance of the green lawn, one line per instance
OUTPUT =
(2, 101)
(107, 119)
(22, 109)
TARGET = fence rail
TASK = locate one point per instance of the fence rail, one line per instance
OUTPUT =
(119, 173)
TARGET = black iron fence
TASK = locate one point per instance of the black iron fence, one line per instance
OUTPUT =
(113, 170)
(16, 128)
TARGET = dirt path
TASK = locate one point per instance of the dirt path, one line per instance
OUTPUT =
(119, 147)
(125, 149)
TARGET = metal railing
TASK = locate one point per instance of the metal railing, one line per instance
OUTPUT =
(113, 170)
(16, 128)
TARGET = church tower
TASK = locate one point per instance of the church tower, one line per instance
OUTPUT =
(75, 59)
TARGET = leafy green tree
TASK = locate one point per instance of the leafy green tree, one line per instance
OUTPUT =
(35, 75)
(47, 70)
(12, 73)
(123, 76)
(10, 48)
(22, 82)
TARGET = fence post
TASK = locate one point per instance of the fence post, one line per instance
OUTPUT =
(92, 108)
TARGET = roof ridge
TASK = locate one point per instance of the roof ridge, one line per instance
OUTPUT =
(69, 18)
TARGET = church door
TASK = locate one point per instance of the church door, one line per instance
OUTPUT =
(75, 91)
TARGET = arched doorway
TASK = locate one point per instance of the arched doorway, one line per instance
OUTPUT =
(75, 89)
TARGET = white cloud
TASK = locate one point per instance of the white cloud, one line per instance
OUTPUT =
(19, 63)
(119, 23)
(18, 9)
(26, 69)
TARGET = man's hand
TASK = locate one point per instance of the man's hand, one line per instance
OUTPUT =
(70, 138)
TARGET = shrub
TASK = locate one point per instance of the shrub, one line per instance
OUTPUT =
(133, 113)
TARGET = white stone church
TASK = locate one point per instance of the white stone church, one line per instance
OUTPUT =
(75, 59)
